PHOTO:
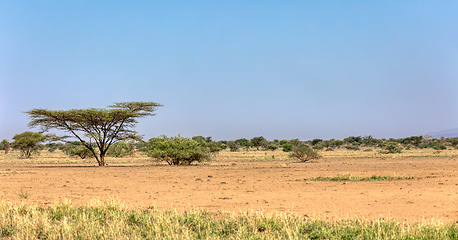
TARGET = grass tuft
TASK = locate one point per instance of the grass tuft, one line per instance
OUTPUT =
(23, 194)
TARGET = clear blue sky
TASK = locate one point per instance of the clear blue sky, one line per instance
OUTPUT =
(233, 69)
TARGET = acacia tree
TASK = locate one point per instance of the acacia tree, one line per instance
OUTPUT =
(103, 127)
(29, 142)
(258, 142)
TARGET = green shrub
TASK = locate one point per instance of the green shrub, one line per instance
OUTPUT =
(198, 138)
(351, 147)
(316, 141)
(5, 145)
(244, 143)
(393, 147)
(304, 153)
(121, 149)
(76, 148)
(438, 147)
(354, 140)
(258, 142)
(52, 146)
(318, 147)
(176, 150)
(381, 145)
(223, 144)
(337, 143)
(272, 147)
(295, 142)
(287, 147)
(213, 147)
(433, 144)
(233, 146)
(422, 146)
(453, 142)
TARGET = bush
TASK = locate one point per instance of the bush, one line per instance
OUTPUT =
(351, 147)
(295, 142)
(5, 145)
(233, 146)
(258, 142)
(76, 148)
(337, 143)
(433, 145)
(121, 149)
(393, 147)
(315, 141)
(52, 146)
(453, 142)
(354, 140)
(176, 150)
(422, 146)
(382, 144)
(318, 147)
(198, 138)
(242, 142)
(304, 153)
(223, 144)
(213, 147)
(287, 147)
(439, 147)
(272, 147)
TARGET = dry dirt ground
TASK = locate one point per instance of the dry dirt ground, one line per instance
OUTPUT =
(237, 185)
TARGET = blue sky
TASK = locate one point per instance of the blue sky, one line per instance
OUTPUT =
(233, 69)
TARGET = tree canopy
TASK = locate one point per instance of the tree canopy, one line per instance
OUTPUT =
(28, 142)
(103, 127)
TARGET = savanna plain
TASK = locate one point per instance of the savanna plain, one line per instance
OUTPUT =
(246, 194)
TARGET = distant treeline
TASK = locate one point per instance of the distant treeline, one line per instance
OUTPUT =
(261, 143)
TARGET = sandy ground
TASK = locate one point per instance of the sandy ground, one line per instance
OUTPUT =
(272, 186)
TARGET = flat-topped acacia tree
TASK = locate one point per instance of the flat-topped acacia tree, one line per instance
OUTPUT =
(103, 127)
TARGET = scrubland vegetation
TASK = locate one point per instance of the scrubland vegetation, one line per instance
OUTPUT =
(182, 151)
(110, 136)
(113, 220)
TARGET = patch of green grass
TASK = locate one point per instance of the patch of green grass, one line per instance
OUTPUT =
(349, 177)
(112, 220)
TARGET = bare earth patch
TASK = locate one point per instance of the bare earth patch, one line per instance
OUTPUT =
(233, 184)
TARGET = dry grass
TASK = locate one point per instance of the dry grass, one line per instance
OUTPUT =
(113, 220)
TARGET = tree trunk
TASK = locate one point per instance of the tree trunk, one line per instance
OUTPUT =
(101, 161)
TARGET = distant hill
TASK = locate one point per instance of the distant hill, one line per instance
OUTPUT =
(448, 133)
